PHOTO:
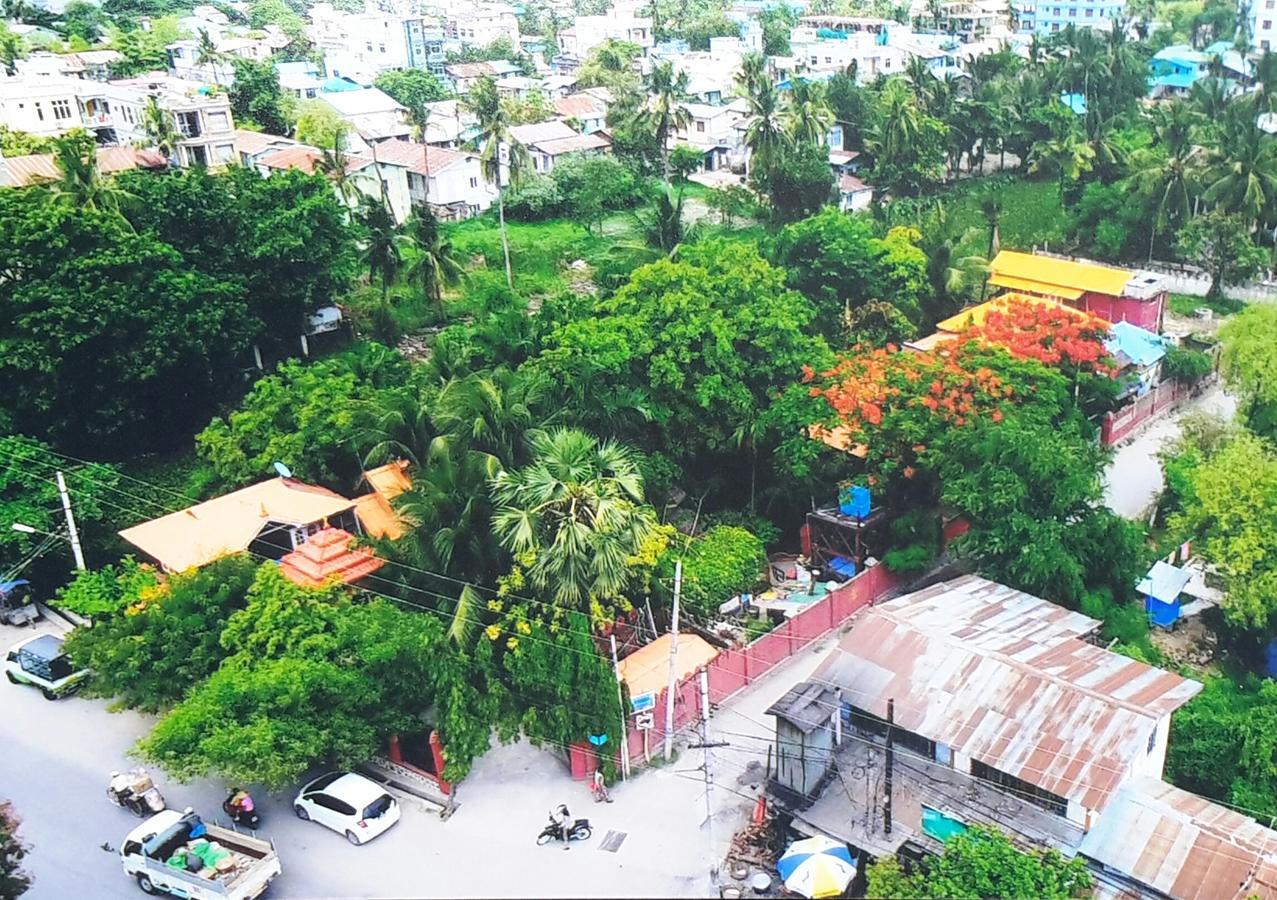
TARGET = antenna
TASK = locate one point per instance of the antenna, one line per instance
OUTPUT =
(283, 470)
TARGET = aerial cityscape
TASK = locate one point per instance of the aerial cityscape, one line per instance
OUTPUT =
(638, 448)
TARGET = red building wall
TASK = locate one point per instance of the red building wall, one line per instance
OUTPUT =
(1147, 314)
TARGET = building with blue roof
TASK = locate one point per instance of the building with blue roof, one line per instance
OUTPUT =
(1139, 354)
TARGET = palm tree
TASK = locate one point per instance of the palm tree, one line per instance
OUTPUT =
(920, 78)
(1168, 173)
(436, 264)
(494, 411)
(667, 110)
(896, 132)
(1242, 171)
(1209, 97)
(419, 119)
(663, 227)
(1086, 64)
(807, 114)
(1265, 93)
(80, 183)
(382, 244)
(159, 128)
(334, 164)
(578, 510)
(765, 136)
(207, 54)
(495, 140)
(1065, 153)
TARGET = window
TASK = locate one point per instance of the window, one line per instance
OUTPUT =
(700, 126)
(381, 48)
(1021, 788)
(218, 121)
(474, 182)
(1268, 24)
(1090, 13)
(1072, 13)
(39, 113)
(1269, 4)
(61, 109)
(1152, 740)
(1263, 45)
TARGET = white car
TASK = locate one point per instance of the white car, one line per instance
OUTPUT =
(349, 804)
(39, 661)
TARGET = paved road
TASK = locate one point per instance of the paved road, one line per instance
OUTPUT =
(57, 756)
(1134, 477)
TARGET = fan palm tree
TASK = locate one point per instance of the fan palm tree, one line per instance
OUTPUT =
(436, 265)
(667, 109)
(807, 114)
(494, 142)
(159, 128)
(383, 245)
(1168, 174)
(578, 509)
(493, 411)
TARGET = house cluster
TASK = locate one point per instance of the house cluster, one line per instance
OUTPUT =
(970, 703)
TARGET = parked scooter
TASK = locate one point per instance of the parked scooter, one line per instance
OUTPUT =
(239, 806)
(135, 791)
(580, 831)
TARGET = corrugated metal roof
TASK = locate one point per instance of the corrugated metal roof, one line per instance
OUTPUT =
(573, 144)
(20, 171)
(306, 159)
(1183, 845)
(413, 156)
(1054, 273)
(647, 669)
(975, 316)
(1004, 677)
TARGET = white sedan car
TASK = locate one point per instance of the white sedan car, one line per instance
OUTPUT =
(349, 804)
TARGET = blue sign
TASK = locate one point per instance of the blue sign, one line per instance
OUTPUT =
(643, 702)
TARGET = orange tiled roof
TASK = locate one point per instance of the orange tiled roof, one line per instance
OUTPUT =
(327, 555)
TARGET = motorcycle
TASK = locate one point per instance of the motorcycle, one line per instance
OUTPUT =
(241, 810)
(580, 831)
(135, 791)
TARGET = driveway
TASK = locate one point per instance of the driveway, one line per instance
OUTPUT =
(1133, 479)
(58, 756)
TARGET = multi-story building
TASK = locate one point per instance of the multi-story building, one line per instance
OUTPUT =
(479, 24)
(452, 182)
(360, 46)
(1048, 16)
(621, 23)
(1263, 24)
(114, 112)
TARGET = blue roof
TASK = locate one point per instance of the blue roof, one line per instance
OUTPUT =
(1184, 80)
(1075, 102)
(337, 85)
(1143, 348)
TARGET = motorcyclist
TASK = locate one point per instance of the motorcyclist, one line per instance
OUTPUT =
(563, 819)
(239, 804)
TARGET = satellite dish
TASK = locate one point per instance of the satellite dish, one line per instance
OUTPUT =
(283, 470)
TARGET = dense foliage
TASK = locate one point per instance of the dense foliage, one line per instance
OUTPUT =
(719, 564)
(14, 880)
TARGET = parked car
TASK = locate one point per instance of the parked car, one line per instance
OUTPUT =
(349, 804)
(40, 662)
(16, 605)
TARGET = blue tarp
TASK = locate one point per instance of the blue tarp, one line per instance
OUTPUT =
(1141, 347)
(337, 85)
(828, 34)
(1163, 615)
(939, 826)
(1075, 102)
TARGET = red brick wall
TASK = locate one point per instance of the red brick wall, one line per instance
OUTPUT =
(1120, 423)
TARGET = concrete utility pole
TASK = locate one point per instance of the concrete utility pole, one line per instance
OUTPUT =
(669, 691)
(891, 758)
(72, 532)
(620, 703)
(708, 771)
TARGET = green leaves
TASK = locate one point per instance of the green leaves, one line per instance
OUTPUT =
(716, 566)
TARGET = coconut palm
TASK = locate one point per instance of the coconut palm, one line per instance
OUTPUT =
(1241, 175)
(667, 109)
(1066, 154)
(493, 411)
(79, 181)
(436, 265)
(1265, 93)
(1168, 173)
(807, 114)
(334, 164)
(382, 244)
(419, 119)
(899, 124)
(577, 509)
(159, 128)
(494, 141)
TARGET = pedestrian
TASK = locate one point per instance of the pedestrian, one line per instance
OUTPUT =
(563, 819)
(598, 787)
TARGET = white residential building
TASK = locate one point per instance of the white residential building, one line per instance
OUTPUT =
(301, 79)
(712, 130)
(869, 48)
(372, 115)
(89, 64)
(588, 109)
(479, 24)
(547, 142)
(360, 46)
(451, 181)
(366, 178)
(621, 23)
(449, 123)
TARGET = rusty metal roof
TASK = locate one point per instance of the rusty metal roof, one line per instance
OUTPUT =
(1182, 845)
(1005, 678)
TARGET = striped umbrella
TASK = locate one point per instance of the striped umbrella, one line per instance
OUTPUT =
(817, 867)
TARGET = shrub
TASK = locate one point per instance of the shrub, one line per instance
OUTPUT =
(723, 562)
(1185, 365)
(535, 199)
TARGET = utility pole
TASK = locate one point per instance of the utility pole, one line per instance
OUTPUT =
(669, 690)
(886, 803)
(72, 532)
(620, 703)
(707, 770)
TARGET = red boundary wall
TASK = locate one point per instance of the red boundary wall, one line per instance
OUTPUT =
(734, 669)
(1120, 423)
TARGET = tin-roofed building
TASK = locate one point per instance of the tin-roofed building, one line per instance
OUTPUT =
(1001, 711)
(1115, 295)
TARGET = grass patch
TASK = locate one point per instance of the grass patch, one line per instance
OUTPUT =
(539, 251)
(1187, 305)
(1031, 213)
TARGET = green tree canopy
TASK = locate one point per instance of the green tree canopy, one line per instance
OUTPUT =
(1249, 365)
(981, 863)
(413, 88)
(837, 262)
(14, 880)
(165, 638)
(257, 98)
(724, 561)
(1222, 245)
(699, 345)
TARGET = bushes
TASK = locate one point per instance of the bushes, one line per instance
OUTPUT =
(1187, 366)
(721, 563)
(580, 187)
